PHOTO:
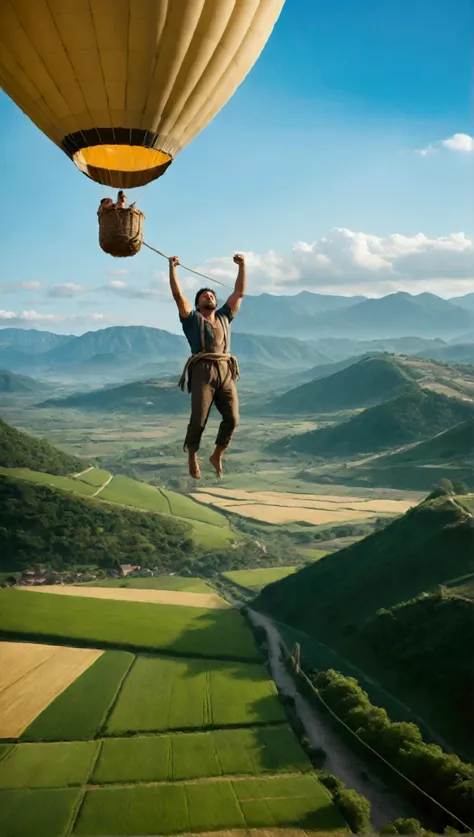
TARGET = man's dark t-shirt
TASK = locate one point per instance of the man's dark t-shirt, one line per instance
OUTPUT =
(214, 337)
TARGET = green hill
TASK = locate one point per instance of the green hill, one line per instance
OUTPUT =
(10, 382)
(20, 450)
(453, 445)
(152, 396)
(337, 599)
(428, 638)
(399, 421)
(44, 526)
(370, 381)
(429, 544)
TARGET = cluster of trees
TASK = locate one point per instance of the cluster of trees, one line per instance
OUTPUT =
(354, 807)
(442, 775)
(19, 450)
(430, 641)
(448, 488)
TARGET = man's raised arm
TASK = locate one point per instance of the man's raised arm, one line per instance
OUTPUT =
(240, 285)
(184, 306)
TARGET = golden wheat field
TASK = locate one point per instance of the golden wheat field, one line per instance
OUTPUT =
(317, 509)
(124, 594)
(31, 676)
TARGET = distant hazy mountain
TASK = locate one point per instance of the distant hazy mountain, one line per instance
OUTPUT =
(288, 315)
(397, 315)
(139, 396)
(457, 353)
(466, 301)
(19, 384)
(30, 340)
(369, 381)
(318, 315)
(413, 415)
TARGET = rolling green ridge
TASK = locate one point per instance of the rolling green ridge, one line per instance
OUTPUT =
(65, 531)
(453, 445)
(348, 598)
(370, 381)
(406, 418)
(20, 450)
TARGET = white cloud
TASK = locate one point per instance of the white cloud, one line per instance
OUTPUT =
(11, 287)
(66, 290)
(29, 286)
(21, 318)
(457, 142)
(344, 261)
(118, 271)
(120, 288)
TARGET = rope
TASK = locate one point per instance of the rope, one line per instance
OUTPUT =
(189, 269)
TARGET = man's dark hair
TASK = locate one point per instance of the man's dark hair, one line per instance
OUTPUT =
(202, 291)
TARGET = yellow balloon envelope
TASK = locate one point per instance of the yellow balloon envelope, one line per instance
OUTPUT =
(123, 85)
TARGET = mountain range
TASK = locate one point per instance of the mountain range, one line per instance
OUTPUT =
(396, 315)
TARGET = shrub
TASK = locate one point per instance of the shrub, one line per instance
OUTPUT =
(355, 809)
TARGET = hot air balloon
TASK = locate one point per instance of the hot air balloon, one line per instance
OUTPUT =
(123, 85)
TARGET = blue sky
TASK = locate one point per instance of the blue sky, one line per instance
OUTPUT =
(320, 145)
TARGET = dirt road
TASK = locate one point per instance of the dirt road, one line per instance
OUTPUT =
(340, 758)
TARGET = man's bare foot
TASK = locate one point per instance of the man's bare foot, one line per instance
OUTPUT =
(193, 463)
(216, 462)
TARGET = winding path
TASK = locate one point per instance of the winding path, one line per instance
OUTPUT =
(104, 485)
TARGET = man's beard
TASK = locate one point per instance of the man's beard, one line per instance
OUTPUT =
(209, 306)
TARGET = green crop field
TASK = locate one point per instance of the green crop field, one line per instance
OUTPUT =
(200, 755)
(182, 506)
(132, 493)
(79, 712)
(211, 536)
(255, 579)
(180, 630)
(48, 765)
(166, 693)
(37, 813)
(4, 749)
(64, 483)
(96, 477)
(207, 806)
(161, 582)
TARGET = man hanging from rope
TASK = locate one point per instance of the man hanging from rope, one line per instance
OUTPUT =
(211, 371)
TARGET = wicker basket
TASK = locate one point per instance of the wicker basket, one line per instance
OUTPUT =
(121, 231)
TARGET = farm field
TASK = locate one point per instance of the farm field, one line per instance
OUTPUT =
(183, 631)
(164, 694)
(31, 676)
(162, 582)
(200, 755)
(180, 807)
(172, 597)
(95, 477)
(281, 507)
(255, 579)
(79, 712)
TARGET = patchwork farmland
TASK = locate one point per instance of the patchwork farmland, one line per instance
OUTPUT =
(277, 507)
(169, 724)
